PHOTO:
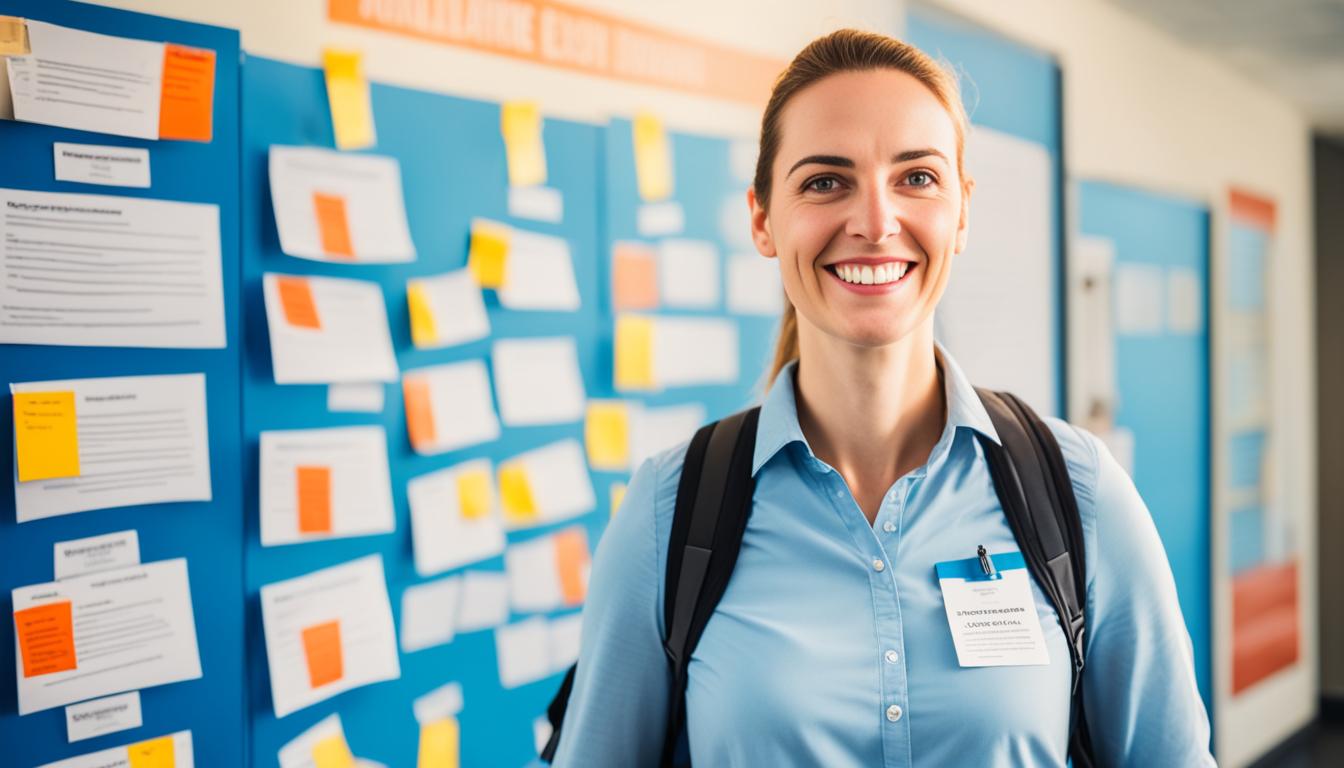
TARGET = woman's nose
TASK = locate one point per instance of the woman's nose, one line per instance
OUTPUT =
(875, 215)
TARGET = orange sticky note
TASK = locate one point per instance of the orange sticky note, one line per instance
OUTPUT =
(423, 330)
(634, 277)
(520, 123)
(154, 753)
(46, 435)
(322, 649)
(348, 97)
(46, 638)
(314, 484)
(332, 225)
(617, 494)
(186, 108)
(296, 298)
(489, 253)
(516, 494)
(653, 158)
(571, 559)
(14, 36)
(473, 494)
(440, 744)
(606, 432)
(634, 352)
(419, 412)
(333, 752)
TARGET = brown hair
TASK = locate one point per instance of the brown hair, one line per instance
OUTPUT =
(846, 50)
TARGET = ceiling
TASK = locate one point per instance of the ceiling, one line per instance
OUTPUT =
(1295, 47)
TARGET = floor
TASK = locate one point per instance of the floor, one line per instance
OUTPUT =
(1321, 746)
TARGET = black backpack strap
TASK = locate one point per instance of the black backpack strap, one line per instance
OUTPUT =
(713, 503)
(1034, 489)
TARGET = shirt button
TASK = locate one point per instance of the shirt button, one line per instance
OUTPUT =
(893, 713)
(878, 565)
(891, 657)
(840, 494)
(889, 527)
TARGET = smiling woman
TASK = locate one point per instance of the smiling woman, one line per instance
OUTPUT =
(838, 639)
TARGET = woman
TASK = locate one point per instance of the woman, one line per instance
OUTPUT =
(831, 646)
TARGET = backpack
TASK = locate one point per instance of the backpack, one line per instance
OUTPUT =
(714, 499)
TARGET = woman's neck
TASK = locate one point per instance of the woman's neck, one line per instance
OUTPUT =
(872, 413)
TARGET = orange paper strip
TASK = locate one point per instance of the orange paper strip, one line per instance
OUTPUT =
(186, 110)
(419, 412)
(332, 225)
(296, 298)
(634, 277)
(322, 649)
(46, 639)
(571, 558)
(314, 499)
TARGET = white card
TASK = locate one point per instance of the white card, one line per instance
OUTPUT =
(327, 329)
(993, 619)
(444, 701)
(444, 536)
(314, 191)
(1140, 296)
(448, 407)
(148, 752)
(549, 572)
(355, 397)
(428, 613)
(100, 717)
(558, 479)
(654, 429)
(537, 203)
(298, 752)
(754, 287)
(538, 274)
(689, 351)
(455, 307)
(133, 628)
(108, 166)
(536, 648)
(658, 219)
(485, 601)
(538, 381)
(324, 484)
(79, 557)
(688, 274)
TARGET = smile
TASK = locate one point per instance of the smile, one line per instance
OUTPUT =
(871, 278)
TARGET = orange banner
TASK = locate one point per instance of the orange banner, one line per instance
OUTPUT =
(558, 35)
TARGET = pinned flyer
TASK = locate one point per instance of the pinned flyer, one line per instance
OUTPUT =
(428, 613)
(327, 329)
(348, 97)
(446, 310)
(485, 601)
(549, 573)
(324, 484)
(538, 381)
(538, 274)
(754, 286)
(520, 123)
(327, 632)
(656, 428)
(545, 485)
(321, 745)
(448, 407)
(634, 276)
(339, 207)
(46, 439)
(444, 701)
(606, 434)
(688, 274)
(454, 517)
(187, 106)
(663, 352)
(653, 157)
(172, 751)
(488, 253)
(536, 648)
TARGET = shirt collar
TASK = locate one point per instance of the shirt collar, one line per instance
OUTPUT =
(778, 425)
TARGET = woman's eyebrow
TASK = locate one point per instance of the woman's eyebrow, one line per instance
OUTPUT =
(845, 162)
(915, 154)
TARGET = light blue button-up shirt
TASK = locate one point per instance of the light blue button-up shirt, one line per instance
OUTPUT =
(831, 647)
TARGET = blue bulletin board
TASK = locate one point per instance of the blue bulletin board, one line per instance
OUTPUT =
(208, 534)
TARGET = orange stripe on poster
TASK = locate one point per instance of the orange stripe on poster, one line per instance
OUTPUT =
(296, 299)
(1266, 623)
(571, 559)
(46, 638)
(186, 107)
(419, 412)
(1252, 209)
(333, 226)
(558, 35)
(322, 651)
(314, 499)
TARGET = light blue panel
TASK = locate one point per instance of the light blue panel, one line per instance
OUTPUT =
(1246, 456)
(1168, 413)
(207, 534)
(1246, 531)
(1246, 249)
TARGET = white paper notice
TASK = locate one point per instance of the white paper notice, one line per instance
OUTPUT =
(688, 274)
(173, 750)
(658, 219)
(444, 701)
(1140, 292)
(324, 484)
(338, 206)
(538, 274)
(142, 440)
(108, 166)
(105, 633)
(428, 613)
(355, 398)
(454, 517)
(655, 429)
(537, 203)
(327, 329)
(1185, 301)
(449, 407)
(90, 82)
(536, 648)
(549, 572)
(103, 271)
(100, 717)
(455, 312)
(690, 351)
(327, 632)
(537, 380)
(299, 751)
(81, 557)
(993, 619)
(485, 601)
(557, 481)
(754, 287)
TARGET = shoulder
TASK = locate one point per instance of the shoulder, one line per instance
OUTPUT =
(1082, 457)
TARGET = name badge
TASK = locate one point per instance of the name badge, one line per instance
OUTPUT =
(991, 611)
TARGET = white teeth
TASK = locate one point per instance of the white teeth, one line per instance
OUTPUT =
(867, 275)
(870, 275)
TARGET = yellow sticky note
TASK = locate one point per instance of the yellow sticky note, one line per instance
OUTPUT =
(489, 253)
(516, 494)
(155, 753)
(520, 123)
(14, 36)
(473, 494)
(606, 431)
(439, 744)
(45, 436)
(634, 352)
(423, 331)
(653, 158)
(617, 496)
(348, 96)
(333, 752)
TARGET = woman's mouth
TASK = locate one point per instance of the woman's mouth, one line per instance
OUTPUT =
(872, 278)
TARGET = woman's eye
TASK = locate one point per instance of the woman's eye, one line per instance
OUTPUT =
(823, 184)
(920, 179)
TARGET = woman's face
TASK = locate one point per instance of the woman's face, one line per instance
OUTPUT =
(866, 207)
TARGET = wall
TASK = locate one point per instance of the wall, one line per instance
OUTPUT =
(1329, 166)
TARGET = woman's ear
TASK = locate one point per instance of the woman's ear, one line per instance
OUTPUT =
(760, 226)
(964, 222)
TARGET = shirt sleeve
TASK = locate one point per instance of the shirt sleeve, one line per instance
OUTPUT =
(1142, 702)
(617, 709)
